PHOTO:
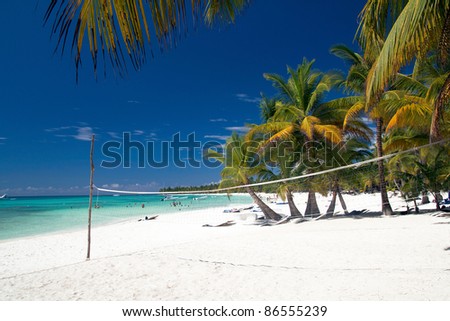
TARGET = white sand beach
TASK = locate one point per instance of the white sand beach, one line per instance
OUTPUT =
(405, 257)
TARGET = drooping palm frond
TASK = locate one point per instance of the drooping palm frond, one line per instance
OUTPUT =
(353, 112)
(410, 114)
(220, 10)
(328, 81)
(436, 88)
(267, 129)
(287, 112)
(358, 129)
(377, 17)
(329, 132)
(346, 54)
(425, 69)
(267, 107)
(403, 139)
(109, 25)
(279, 83)
(307, 126)
(285, 133)
(409, 84)
(416, 29)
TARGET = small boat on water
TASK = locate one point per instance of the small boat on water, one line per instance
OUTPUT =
(3, 196)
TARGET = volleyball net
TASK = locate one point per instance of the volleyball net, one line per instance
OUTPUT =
(408, 177)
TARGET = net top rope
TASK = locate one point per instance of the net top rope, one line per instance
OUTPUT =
(224, 189)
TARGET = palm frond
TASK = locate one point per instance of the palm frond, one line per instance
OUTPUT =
(409, 84)
(307, 126)
(346, 54)
(414, 31)
(353, 112)
(409, 115)
(329, 132)
(109, 25)
(279, 83)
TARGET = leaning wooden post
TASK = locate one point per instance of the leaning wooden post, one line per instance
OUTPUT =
(91, 188)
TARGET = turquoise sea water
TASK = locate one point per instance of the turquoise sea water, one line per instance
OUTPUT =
(28, 216)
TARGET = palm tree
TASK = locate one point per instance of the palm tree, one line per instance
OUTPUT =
(402, 166)
(407, 178)
(280, 158)
(410, 125)
(355, 105)
(435, 170)
(413, 28)
(406, 103)
(95, 22)
(425, 170)
(297, 115)
(283, 160)
(241, 163)
(353, 150)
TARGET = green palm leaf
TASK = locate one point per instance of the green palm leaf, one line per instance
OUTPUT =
(109, 25)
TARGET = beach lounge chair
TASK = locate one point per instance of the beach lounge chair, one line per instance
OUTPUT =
(227, 223)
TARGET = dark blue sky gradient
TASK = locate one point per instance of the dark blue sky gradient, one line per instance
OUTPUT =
(213, 74)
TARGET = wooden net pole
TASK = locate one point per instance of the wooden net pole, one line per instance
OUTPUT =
(91, 189)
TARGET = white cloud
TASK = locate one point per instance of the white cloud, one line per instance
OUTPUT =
(84, 133)
(152, 136)
(2, 140)
(218, 120)
(114, 135)
(239, 129)
(114, 185)
(57, 129)
(220, 137)
(138, 132)
(45, 190)
(133, 102)
(246, 98)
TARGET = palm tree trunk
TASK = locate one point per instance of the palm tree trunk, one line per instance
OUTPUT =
(402, 195)
(267, 211)
(292, 208)
(312, 208)
(341, 199)
(425, 198)
(386, 208)
(330, 210)
(438, 114)
(437, 198)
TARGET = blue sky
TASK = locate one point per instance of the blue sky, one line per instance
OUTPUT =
(208, 85)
